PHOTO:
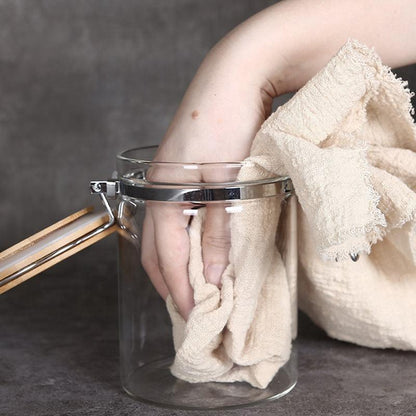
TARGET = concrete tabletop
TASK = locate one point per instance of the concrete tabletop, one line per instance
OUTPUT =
(59, 356)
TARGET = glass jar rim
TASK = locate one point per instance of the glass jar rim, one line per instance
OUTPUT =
(130, 156)
(124, 156)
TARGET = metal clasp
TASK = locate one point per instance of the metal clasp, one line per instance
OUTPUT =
(111, 188)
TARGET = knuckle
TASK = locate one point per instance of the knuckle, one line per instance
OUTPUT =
(220, 242)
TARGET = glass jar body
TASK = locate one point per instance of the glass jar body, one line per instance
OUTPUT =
(147, 350)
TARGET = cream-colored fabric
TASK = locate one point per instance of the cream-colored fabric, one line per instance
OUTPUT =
(348, 143)
(241, 332)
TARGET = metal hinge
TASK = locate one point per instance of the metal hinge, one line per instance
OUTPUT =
(110, 187)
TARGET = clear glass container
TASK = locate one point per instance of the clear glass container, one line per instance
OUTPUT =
(185, 190)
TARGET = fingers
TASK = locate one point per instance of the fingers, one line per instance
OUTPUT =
(216, 241)
(166, 241)
(166, 247)
(172, 246)
(149, 258)
(216, 238)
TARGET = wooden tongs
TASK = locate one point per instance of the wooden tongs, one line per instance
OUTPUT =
(53, 244)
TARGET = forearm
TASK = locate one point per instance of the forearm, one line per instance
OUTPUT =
(276, 51)
(290, 41)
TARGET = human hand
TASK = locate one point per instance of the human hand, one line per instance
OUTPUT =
(274, 52)
(210, 126)
(217, 120)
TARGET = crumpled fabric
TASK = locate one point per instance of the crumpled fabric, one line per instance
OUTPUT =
(348, 142)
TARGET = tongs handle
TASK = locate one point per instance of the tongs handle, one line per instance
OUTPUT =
(57, 242)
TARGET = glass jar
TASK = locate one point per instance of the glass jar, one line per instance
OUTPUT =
(191, 193)
(237, 346)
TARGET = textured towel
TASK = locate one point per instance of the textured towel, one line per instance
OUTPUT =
(348, 143)
(243, 331)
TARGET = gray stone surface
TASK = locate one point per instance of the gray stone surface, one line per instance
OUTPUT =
(59, 356)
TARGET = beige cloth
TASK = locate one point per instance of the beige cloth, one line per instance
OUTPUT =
(241, 332)
(348, 142)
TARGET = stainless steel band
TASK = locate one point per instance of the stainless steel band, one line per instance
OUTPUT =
(138, 190)
(244, 191)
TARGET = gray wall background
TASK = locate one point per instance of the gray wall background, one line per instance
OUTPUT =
(81, 80)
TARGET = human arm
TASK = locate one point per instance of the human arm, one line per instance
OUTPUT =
(273, 52)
